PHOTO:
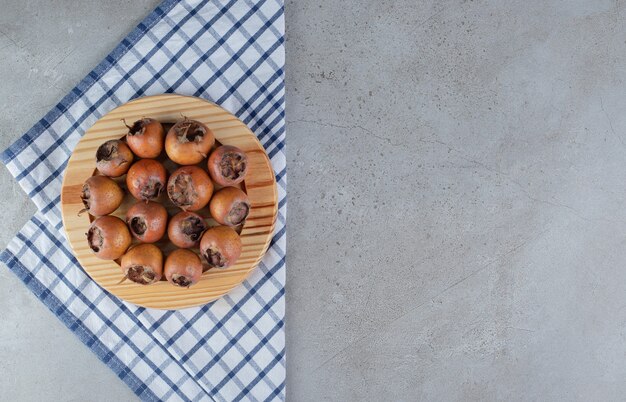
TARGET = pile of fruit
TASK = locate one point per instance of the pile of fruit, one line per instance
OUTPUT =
(190, 144)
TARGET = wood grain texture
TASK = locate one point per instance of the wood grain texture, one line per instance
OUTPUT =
(260, 184)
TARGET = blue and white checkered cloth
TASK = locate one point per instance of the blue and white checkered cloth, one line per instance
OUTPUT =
(232, 53)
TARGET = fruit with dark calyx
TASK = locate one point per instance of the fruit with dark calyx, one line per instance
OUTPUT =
(145, 138)
(220, 246)
(147, 221)
(146, 179)
(185, 229)
(108, 237)
(113, 158)
(188, 142)
(228, 165)
(183, 268)
(143, 264)
(101, 195)
(189, 188)
(230, 206)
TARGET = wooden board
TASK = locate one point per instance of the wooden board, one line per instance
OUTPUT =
(260, 184)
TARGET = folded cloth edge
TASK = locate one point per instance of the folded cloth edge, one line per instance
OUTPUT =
(73, 324)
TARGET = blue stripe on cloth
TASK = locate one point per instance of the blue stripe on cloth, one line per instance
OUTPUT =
(248, 357)
(226, 317)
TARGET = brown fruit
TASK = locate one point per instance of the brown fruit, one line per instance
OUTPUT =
(230, 206)
(189, 188)
(145, 138)
(228, 165)
(101, 195)
(185, 229)
(183, 268)
(113, 158)
(147, 221)
(188, 142)
(143, 264)
(146, 179)
(220, 246)
(108, 237)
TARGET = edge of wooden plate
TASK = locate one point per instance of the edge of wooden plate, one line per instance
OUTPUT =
(260, 185)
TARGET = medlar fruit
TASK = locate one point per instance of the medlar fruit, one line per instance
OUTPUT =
(230, 206)
(143, 264)
(228, 165)
(146, 179)
(101, 195)
(145, 138)
(188, 142)
(147, 221)
(185, 229)
(183, 268)
(113, 158)
(220, 246)
(108, 237)
(189, 188)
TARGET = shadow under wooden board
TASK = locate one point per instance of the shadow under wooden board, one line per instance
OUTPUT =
(259, 184)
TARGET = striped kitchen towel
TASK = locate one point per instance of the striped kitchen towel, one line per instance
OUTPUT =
(229, 52)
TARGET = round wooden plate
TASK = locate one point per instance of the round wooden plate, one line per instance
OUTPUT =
(260, 184)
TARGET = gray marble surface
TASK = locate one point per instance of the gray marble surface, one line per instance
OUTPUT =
(456, 226)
